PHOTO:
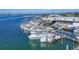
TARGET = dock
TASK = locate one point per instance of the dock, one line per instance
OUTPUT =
(65, 35)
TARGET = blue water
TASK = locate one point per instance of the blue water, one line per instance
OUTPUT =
(13, 38)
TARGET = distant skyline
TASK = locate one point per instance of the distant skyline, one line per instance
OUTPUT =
(37, 11)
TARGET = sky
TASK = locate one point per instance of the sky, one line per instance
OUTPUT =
(37, 11)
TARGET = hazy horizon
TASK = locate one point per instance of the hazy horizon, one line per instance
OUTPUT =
(37, 11)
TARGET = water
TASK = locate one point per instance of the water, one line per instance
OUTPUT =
(13, 38)
(56, 45)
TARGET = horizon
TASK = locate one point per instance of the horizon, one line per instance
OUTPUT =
(37, 11)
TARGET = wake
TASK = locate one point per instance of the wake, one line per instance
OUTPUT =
(5, 19)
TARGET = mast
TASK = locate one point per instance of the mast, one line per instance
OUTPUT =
(67, 47)
(62, 37)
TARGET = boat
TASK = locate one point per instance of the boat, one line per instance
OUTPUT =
(57, 37)
(34, 37)
(43, 38)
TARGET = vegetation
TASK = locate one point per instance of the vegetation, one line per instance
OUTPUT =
(68, 14)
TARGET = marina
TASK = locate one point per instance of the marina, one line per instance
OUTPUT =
(52, 28)
(39, 31)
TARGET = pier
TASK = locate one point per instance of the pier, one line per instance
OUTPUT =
(65, 35)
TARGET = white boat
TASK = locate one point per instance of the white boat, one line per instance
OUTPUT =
(50, 37)
(34, 37)
(46, 38)
(77, 37)
(76, 30)
(43, 38)
(57, 37)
